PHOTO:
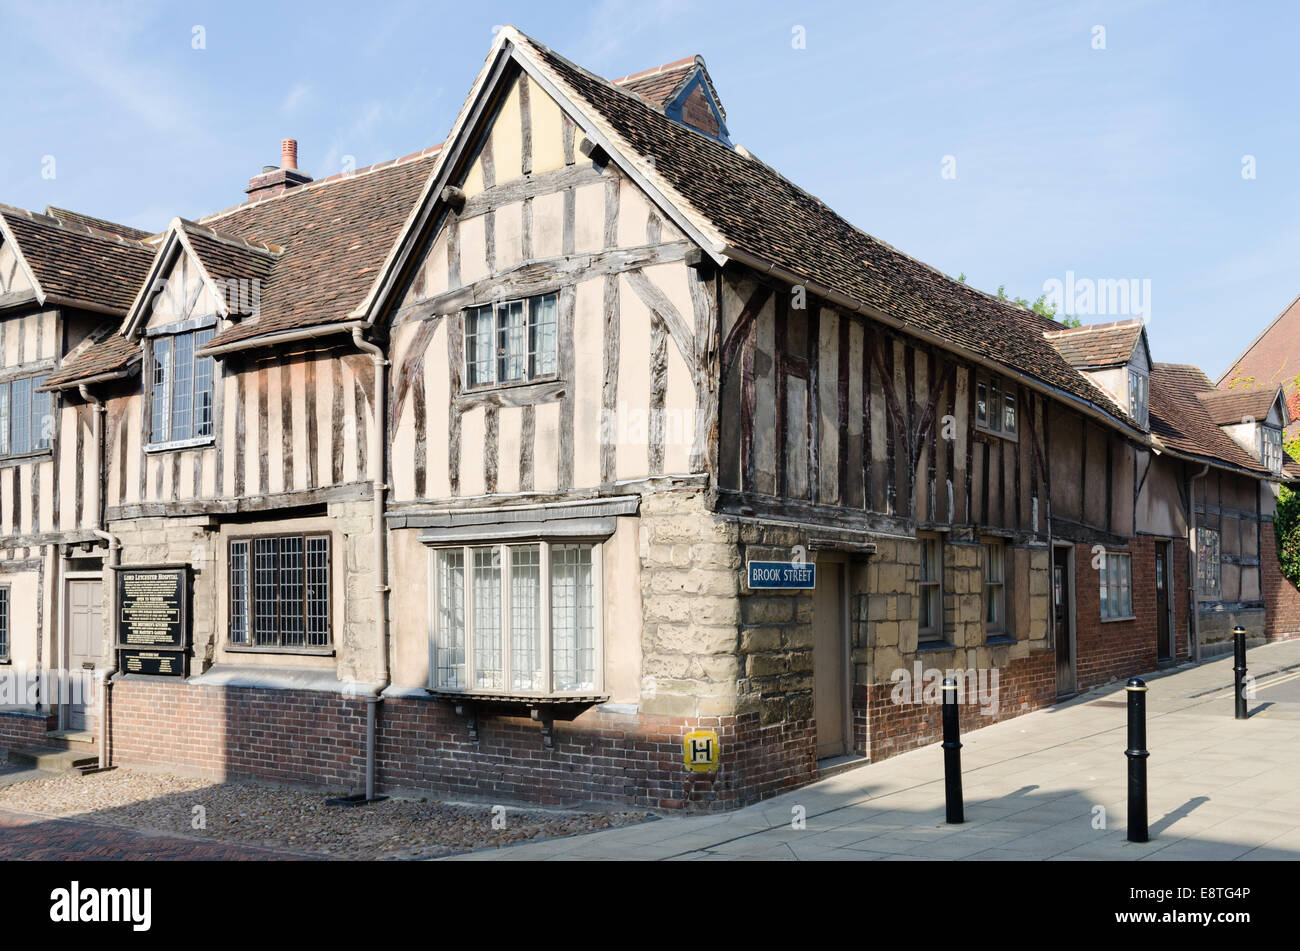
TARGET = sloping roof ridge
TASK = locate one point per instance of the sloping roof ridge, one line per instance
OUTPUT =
(1111, 325)
(272, 251)
(54, 211)
(80, 230)
(316, 184)
(1254, 343)
(659, 70)
(640, 100)
(1010, 307)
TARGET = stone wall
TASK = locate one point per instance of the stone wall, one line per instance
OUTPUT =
(888, 719)
(201, 542)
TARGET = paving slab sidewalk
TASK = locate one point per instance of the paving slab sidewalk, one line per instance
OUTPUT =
(1050, 785)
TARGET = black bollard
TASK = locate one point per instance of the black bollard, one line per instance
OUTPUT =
(1137, 760)
(951, 754)
(1239, 670)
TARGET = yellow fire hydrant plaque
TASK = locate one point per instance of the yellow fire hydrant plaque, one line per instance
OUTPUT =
(700, 751)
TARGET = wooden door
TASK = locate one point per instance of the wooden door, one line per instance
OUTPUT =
(1164, 645)
(830, 679)
(1062, 605)
(85, 628)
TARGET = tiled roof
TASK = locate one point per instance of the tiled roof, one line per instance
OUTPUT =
(1180, 421)
(761, 213)
(226, 258)
(658, 85)
(110, 228)
(73, 263)
(104, 351)
(334, 235)
(1226, 407)
(314, 249)
(1097, 345)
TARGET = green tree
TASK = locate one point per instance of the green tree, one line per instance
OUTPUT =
(1287, 525)
(1040, 306)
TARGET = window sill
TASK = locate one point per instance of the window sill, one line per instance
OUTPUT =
(998, 434)
(521, 699)
(993, 640)
(271, 649)
(180, 444)
(935, 646)
(18, 459)
(1113, 620)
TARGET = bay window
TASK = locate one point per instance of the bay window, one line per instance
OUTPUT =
(26, 417)
(511, 341)
(516, 619)
(181, 388)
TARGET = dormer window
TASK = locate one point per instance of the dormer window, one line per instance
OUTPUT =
(1271, 447)
(995, 408)
(1138, 392)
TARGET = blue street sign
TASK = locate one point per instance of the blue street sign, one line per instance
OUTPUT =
(782, 574)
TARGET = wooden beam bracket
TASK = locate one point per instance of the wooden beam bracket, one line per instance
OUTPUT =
(470, 712)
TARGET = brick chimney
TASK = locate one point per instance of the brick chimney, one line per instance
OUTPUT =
(273, 180)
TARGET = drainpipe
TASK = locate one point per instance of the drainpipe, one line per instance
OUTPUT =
(1195, 613)
(104, 673)
(377, 454)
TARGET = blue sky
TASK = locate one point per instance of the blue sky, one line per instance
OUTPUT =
(1117, 163)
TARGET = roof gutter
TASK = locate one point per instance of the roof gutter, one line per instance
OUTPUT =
(1212, 463)
(1089, 408)
(87, 381)
(284, 336)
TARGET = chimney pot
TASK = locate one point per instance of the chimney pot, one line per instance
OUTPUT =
(289, 153)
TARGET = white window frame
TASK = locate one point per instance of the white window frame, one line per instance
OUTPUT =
(1270, 448)
(1107, 609)
(996, 588)
(546, 607)
(930, 589)
(1001, 415)
(529, 358)
(32, 442)
(1139, 396)
(169, 439)
(1209, 571)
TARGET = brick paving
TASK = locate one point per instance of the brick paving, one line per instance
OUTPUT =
(29, 837)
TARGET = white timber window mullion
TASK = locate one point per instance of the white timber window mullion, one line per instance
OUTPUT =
(548, 678)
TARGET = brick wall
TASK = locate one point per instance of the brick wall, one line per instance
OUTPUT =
(1281, 599)
(885, 727)
(423, 745)
(24, 730)
(1117, 650)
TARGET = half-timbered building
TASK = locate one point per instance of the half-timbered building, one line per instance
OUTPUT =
(65, 279)
(466, 456)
